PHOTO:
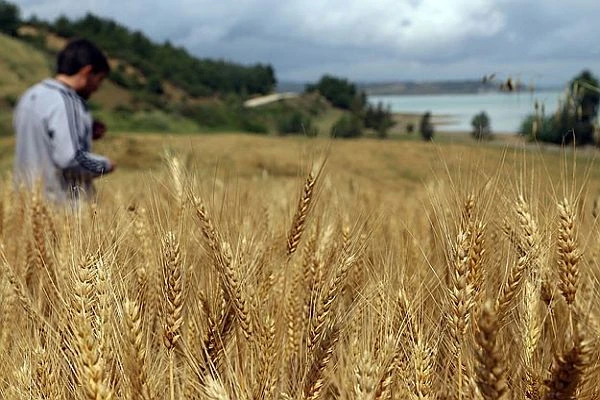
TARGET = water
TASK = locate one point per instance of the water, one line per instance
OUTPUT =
(506, 110)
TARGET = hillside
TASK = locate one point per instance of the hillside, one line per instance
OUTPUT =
(131, 108)
(128, 110)
(156, 87)
(152, 86)
(22, 64)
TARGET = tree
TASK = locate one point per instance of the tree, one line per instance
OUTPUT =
(10, 18)
(63, 27)
(340, 92)
(481, 126)
(585, 94)
(378, 118)
(426, 127)
(586, 91)
(198, 77)
(575, 118)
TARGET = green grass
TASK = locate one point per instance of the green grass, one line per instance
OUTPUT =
(147, 121)
(21, 65)
(325, 121)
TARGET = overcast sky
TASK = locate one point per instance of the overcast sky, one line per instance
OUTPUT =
(538, 41)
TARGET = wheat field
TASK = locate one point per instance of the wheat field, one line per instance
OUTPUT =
(286, 270)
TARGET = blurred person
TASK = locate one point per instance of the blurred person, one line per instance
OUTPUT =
(54, 128)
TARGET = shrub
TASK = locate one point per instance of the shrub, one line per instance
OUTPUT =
(121, 79)
(11, 100)
(348, 126)
(154, 85)
(481, 126)
(550, 129)
(252, 124)
(537, 127)
(208, 115)
(294, 123)
(123, 109)
(426, 127)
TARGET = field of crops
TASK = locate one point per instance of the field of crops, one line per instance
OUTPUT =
(239, 267)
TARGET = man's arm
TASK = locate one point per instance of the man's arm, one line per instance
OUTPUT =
(66, 152)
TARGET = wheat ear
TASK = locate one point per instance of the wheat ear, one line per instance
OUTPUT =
(491, 373)
(568, 370)
(299, 221)
(136, 351)
(174, 297)
(315, 381)
(569, 254)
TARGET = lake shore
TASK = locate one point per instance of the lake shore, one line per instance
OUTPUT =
(455, 112)
(440, 122)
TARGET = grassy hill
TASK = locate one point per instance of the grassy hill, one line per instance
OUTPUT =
(20, 66)
(30, 58)
(23, 63)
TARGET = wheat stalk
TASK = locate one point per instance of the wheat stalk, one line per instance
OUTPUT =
(568, 370)
(383, 391)
(240, 300)
(174, 301)
(136, 350)
(423, 363)
(476, 259)
(315, 380)
(298, 223)
(48, 375)
(92, 364)
(491, 373)
(365, 372)
(461, 303)
(569, 254)
(325, 304)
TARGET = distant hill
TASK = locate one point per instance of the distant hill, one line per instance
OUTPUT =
(413, 87)
(433, 87)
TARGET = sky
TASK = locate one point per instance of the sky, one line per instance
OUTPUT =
(540, 42)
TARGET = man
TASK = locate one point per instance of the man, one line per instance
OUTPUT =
(54, 129)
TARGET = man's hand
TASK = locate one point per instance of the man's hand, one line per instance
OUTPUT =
(111, 166)
(98, 130)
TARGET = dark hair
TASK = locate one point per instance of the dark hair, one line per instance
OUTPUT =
(77, 54)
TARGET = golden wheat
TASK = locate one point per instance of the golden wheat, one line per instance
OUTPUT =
(377, 294)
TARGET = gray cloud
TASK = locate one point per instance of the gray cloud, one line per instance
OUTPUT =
(543, 40)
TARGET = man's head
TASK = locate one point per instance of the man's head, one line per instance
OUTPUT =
(83, 65)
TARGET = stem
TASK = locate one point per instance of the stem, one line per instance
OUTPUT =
(172, 374)
(460, 377)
